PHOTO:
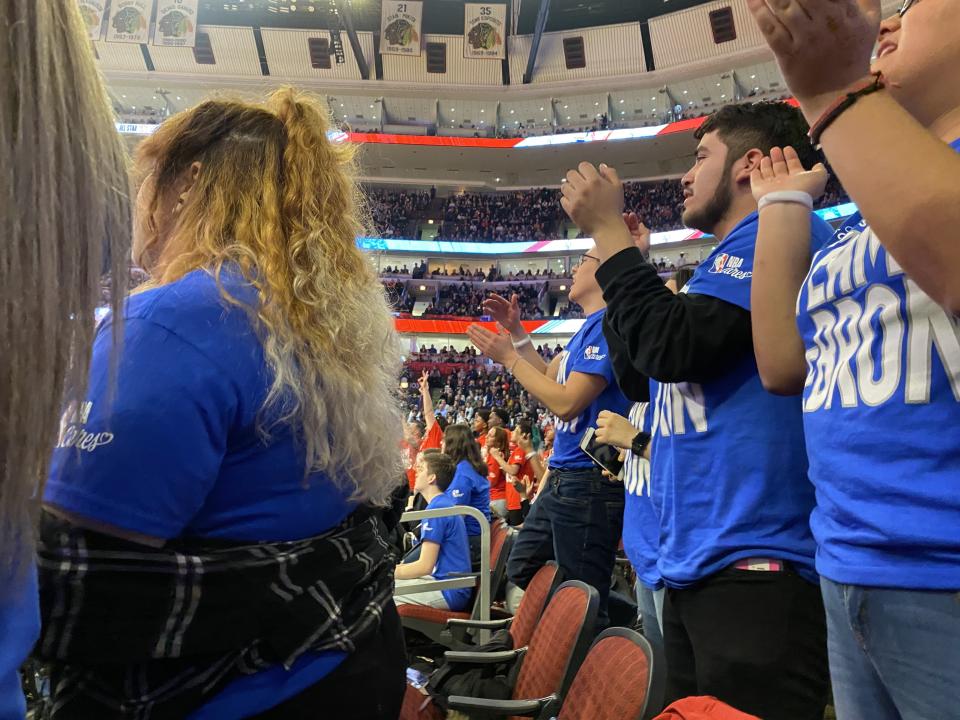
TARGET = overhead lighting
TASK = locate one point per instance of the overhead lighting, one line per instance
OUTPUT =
(496, 179)
(654, 98)
(753, 77)
(718, 84)
(723, 97)
(564, 107)
(623, 112)
(422, 288)
(154, 97)
(371, 107)
(511, 112)
(481, 109)
(596, 104)
(568, 117)
(562, 288)
(178, 97)
(341, 104)
(453, 109)
(545, 120)
(123, 96)
(621, 101)
(541, 108)
(430, 221)
(684, 92)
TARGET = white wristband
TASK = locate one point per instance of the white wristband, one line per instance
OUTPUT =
(517, 344)
(798, 197)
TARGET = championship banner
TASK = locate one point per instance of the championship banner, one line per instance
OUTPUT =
(400, 24)
(176, 23)
(484, 31)
(92, 13)
(129, 21)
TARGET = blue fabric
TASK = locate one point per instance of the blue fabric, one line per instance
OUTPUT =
(729, 475)
(177, 452)
(641, 526)
(894, 654)
(19, 629)
(469, 487)
(585, 353)
(450, 534)
(881, 408)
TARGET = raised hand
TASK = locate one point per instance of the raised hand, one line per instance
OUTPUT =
(782, 170)
(506, 312)
(822, 46)
(593, 198)
(497, 347)
(424, 382)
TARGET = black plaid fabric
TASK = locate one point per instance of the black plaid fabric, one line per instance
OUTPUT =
(133, 632)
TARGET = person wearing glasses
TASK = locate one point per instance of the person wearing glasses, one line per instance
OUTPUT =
(743, 618)
(867, 331)
(578, 516)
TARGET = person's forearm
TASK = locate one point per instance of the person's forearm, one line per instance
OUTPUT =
(552, 394)
(428, 417)
(781, 262)
(903, 179)
(526, 350)
(408, 571)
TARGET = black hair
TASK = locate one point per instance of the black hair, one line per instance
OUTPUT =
(460, 444)
(761, 126)
(524, 426)
(484, 413)
(503, 415)
(442, 422)
(441, 466)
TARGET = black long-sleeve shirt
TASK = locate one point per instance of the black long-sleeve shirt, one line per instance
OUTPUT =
(652, 333)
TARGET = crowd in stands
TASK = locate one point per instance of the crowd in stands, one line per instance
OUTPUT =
(393, 210)
(421, 271)
(466, 300)
(501, 217)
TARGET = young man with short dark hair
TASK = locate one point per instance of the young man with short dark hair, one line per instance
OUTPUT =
(743, 617)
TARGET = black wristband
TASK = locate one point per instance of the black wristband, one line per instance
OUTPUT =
(639, 444)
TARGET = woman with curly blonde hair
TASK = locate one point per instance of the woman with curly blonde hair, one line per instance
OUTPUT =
(225, 499)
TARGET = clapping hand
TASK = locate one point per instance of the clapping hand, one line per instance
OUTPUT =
(782, 170)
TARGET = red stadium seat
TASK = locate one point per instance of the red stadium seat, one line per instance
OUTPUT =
(614, 681)
(531, 607)
(547, 666)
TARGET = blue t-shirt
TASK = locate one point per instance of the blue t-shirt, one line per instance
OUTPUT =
(177, 452)
(881, 414)
(729, 475)
(469, 487)
(450, 534)
(585, 353)
(19, 629)
(641, 527)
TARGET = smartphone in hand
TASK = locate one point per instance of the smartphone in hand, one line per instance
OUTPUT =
(604, 456)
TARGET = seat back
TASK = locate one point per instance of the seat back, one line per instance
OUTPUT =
(559, 642)
(532, 603)
(613, 683)
(501, 542)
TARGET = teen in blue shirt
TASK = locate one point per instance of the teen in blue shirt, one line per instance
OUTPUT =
(578, 514)
(743, 618)
(444, 549)
(469, 485)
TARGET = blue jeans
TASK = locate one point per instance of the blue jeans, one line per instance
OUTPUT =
(894, 654)
(577, 520)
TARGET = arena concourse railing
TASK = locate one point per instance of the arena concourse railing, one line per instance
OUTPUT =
(465, 579)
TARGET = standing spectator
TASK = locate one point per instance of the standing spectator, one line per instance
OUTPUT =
(498, 448)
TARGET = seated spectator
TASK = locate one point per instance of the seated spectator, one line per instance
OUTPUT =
(470, 485)
(444, 549)
(498, 449)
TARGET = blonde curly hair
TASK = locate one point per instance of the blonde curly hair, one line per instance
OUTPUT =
(275, 198)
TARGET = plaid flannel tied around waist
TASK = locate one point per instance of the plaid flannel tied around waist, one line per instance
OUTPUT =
(131, 631)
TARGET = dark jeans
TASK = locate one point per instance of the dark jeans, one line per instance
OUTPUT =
(368, 685)
(577, 520)
(756, 640)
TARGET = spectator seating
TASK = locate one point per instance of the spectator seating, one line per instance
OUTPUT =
(548, 664)
(614, 681)
(521, 625)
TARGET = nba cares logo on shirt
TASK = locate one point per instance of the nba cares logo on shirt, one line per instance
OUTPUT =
(457, 493)
(593, 353)
(725, 264)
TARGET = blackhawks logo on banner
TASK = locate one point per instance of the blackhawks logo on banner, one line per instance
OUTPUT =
(484, 30)
(129, 21)
(400, 24)
(176, 23)
(92, 13)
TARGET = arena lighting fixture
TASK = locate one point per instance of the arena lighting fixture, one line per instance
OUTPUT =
(422, 288)
(684, 92)
(496, 179)
(718, 84)
(178, 97)
(753, 77)
(453, 109)
(562, 288)
(123, 96)
(564, 107)
(511, 112)
(541, 108)
(481, 109)
(723, 97)
(430, 221)
(596, 104)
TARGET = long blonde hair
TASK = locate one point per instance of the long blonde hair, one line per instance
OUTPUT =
(278, 200)
(64, 221)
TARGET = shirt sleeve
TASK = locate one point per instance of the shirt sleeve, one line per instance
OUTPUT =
(670, 338)
(144, 454)
(593, 356)
(433, 529)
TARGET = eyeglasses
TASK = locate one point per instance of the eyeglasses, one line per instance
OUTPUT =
(586, 256)
(907, 4)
